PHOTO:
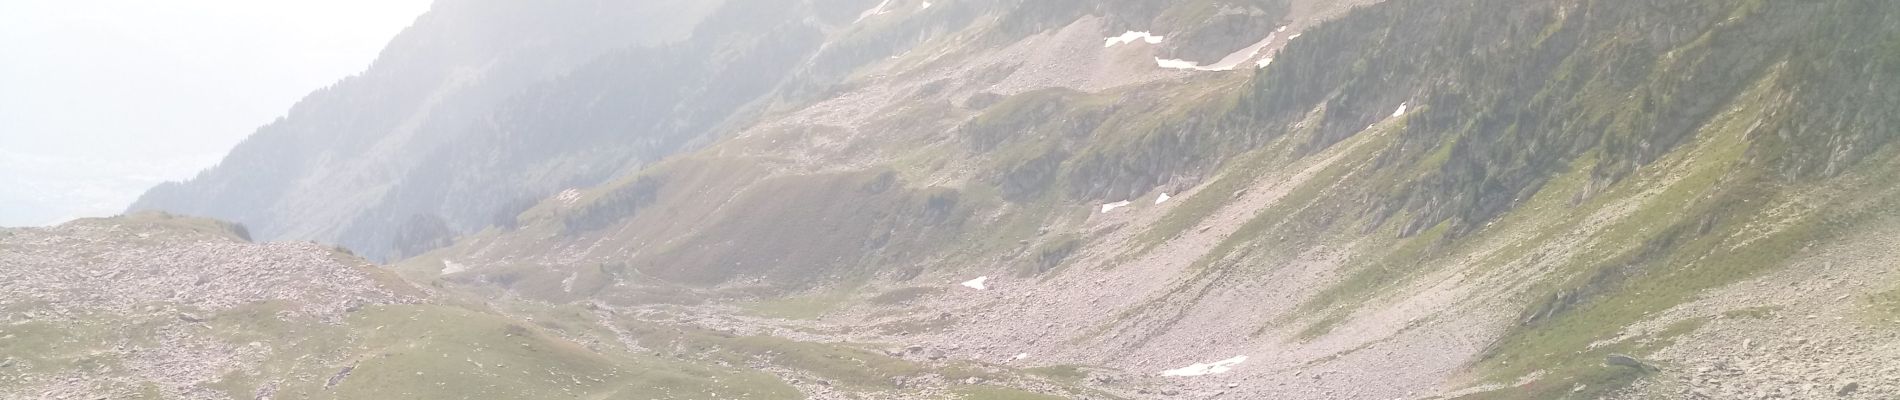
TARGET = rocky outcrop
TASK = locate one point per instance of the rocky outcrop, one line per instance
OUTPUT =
(153, 263)
(134, 298)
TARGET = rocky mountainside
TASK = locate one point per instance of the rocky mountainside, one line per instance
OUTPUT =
(1174, 199)
(139, 305)
(155, 306)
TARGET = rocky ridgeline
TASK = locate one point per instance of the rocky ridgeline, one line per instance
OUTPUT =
(134, 296)
(145, 264)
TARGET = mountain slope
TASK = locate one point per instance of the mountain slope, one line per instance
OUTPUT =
(1163, 199)
(353, 162)
(156, 306)
(1456, 198)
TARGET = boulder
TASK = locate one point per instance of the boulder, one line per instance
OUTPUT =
(1848, 389)
(1619, 360)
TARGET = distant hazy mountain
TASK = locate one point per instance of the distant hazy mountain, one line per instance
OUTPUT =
(427, 136)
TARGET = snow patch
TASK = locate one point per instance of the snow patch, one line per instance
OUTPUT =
(567, 285)
(450, 267)
(977, 283)
(1217, 367)
(1400, 112)
(1163, 199)
(1131, 37)
(1177, 63)
(1264, 62)
(926, 6)
(1019, 357)
(568, 197)
(874, 11)
(1112, 206)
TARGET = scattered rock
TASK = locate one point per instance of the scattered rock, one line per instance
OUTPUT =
(338, 378)
(1848, 389)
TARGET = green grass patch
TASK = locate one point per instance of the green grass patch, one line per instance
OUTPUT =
(980, 392)
(1402, 261)
(806, 307)
(912, 326)
(848, 366)
(1321, 327)
(1195, 209)
(1051, 255)
(1886, 304)
(1591, 377)
(902, 296)
(1064, 373)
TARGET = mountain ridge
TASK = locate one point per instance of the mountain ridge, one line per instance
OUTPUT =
(1411, 199)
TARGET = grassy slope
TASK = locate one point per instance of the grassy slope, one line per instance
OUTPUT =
(419, 351)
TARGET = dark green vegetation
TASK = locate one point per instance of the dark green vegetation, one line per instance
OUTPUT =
(1510, 98)
(1566, 101)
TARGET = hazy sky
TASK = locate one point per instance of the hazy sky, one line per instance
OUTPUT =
(101, 99)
